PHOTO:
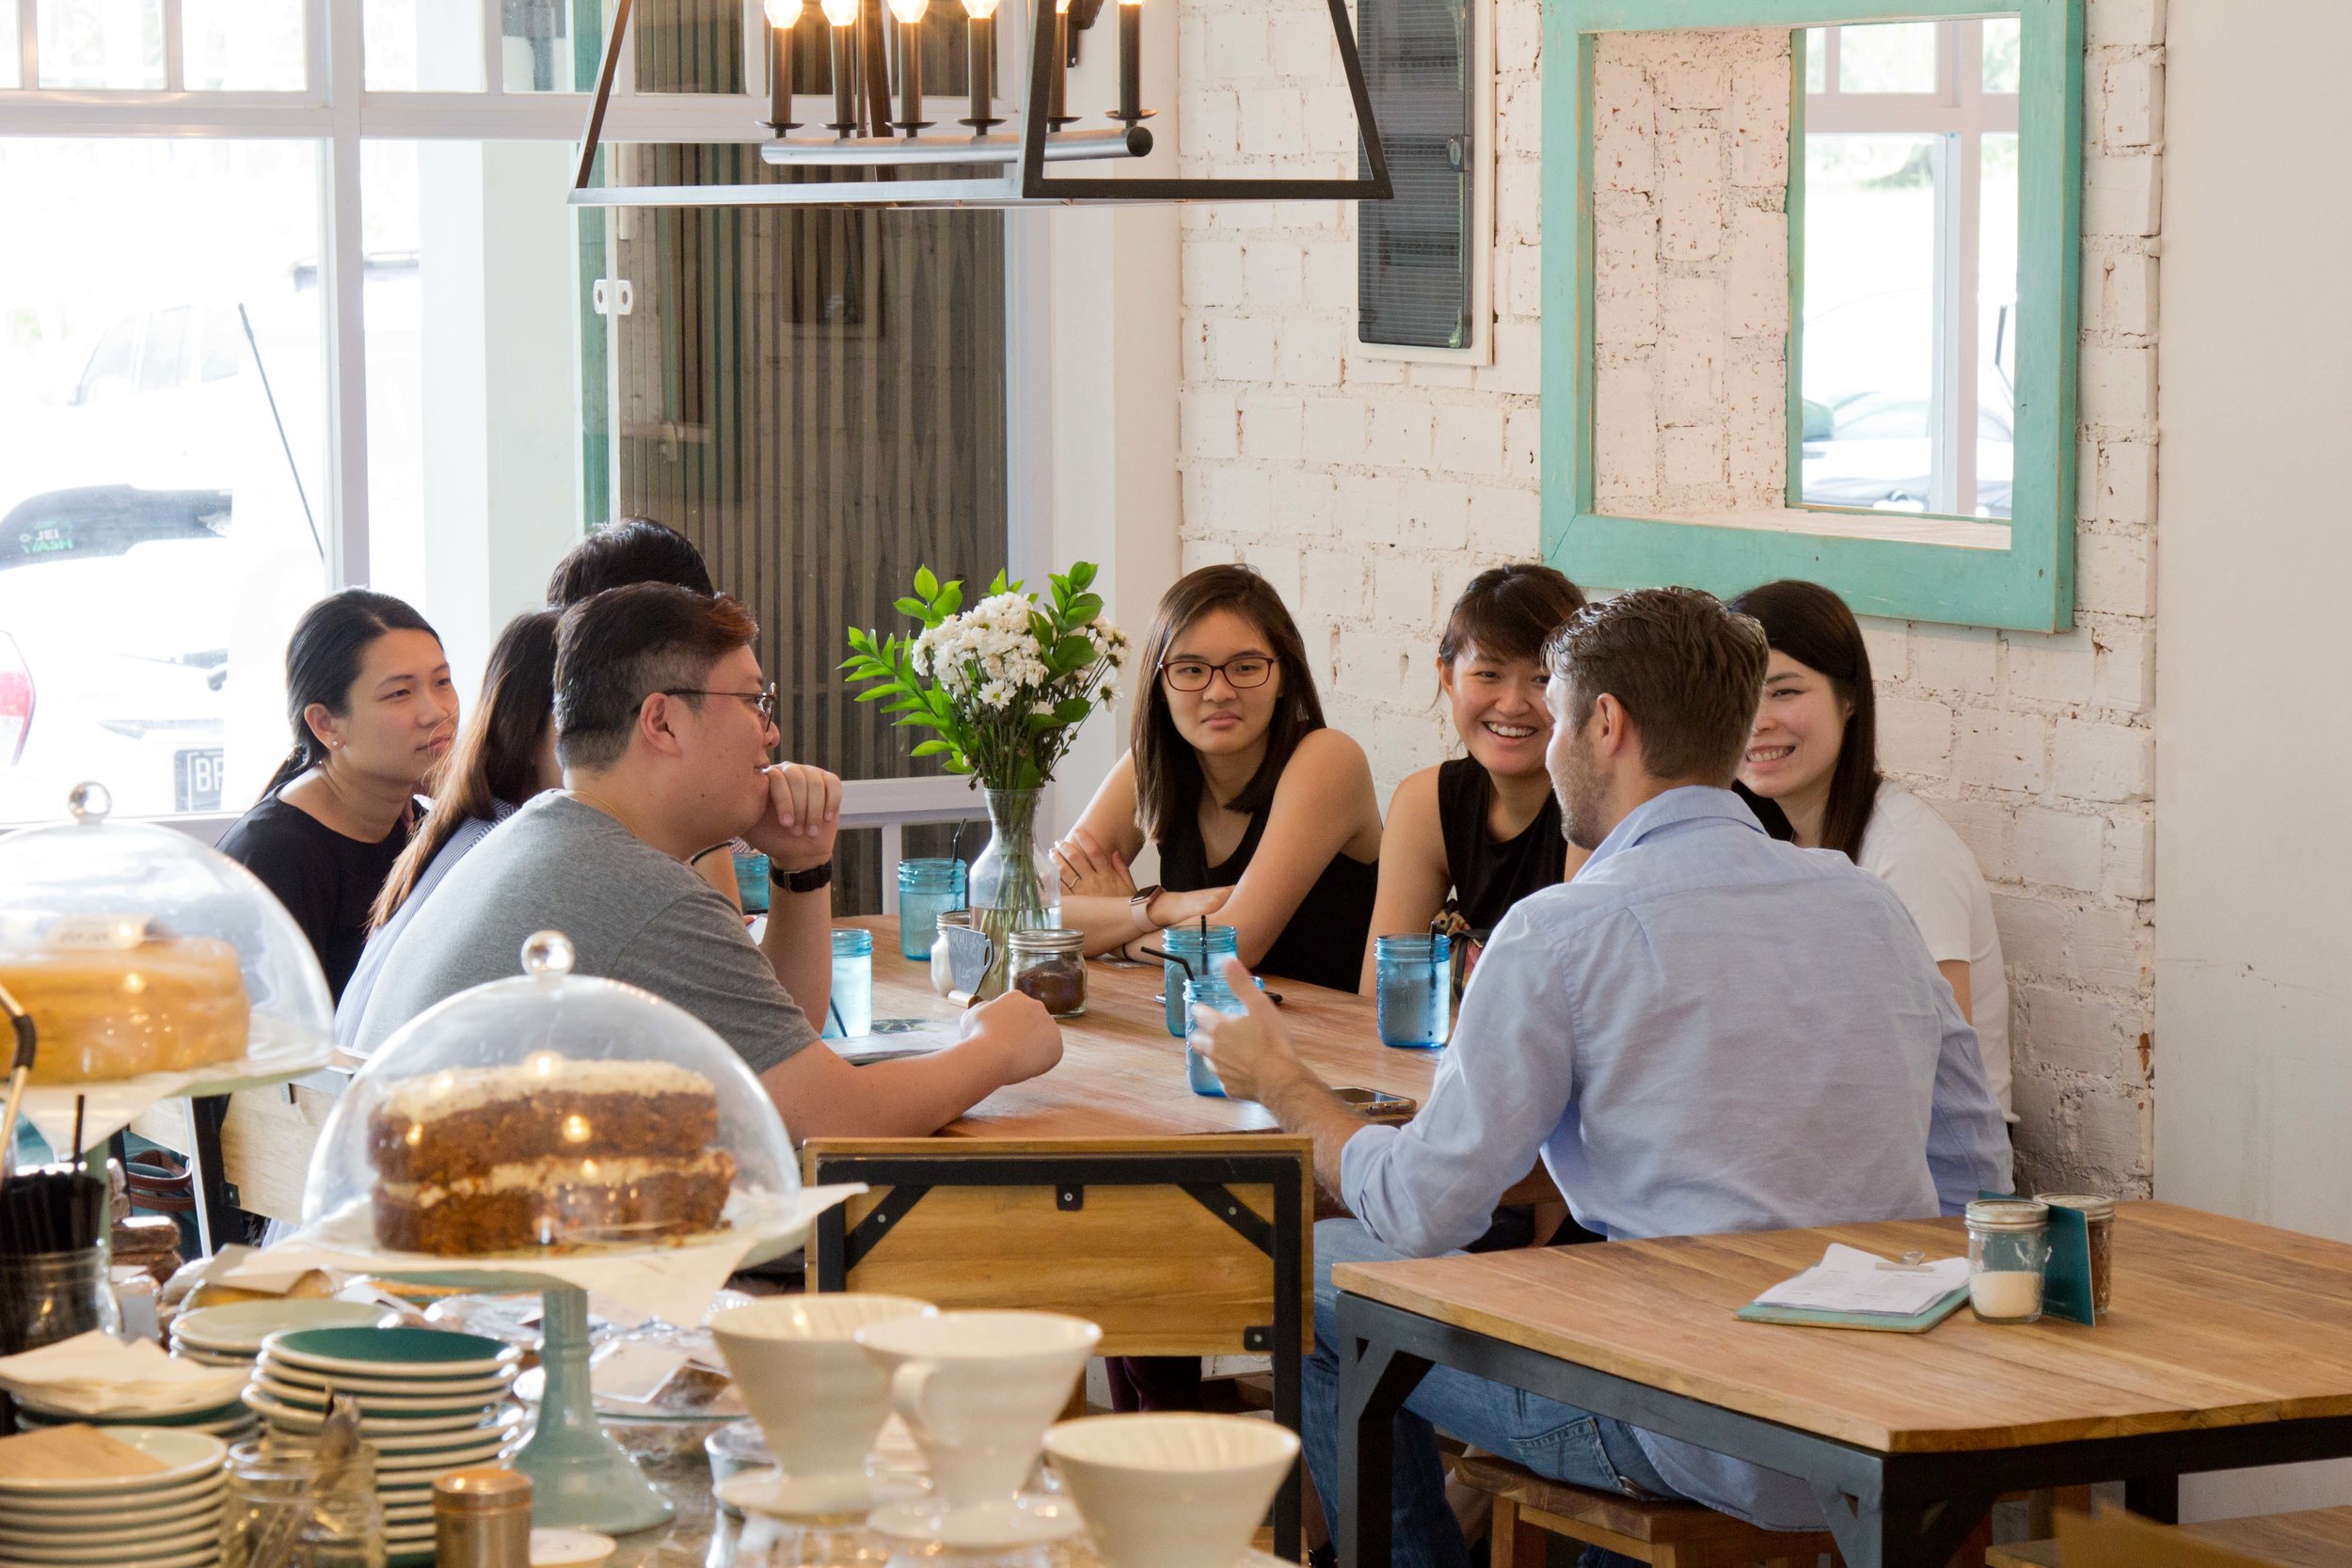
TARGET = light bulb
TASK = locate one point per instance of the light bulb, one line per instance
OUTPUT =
(980, 10)
(841, 13)
(785, 14)
(909, 12)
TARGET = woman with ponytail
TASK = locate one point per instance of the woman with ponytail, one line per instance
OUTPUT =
(372, 710)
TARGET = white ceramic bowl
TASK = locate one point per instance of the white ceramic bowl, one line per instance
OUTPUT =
(185, 1456)
(820, 1399)
(1170, 1490)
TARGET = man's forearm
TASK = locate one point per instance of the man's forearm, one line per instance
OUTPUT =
(799, 945)
(1302, 1103)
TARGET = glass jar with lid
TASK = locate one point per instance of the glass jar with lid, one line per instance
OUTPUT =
(2098, 1212)
(136, 949)
(2008, 1242)
(550, 1112)
(1051, 965)
(943, 975)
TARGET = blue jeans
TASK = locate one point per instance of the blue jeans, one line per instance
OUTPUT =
(1552, 1439)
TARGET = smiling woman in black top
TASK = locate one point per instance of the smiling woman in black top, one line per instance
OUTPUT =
(373, 709)
(1483, 829)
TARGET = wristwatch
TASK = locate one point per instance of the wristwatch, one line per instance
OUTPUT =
(801, 882)
(1139, 907)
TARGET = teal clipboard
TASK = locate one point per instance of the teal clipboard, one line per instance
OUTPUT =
(1882, 1322)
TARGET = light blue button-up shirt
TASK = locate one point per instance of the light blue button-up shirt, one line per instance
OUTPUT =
(1706, 1031)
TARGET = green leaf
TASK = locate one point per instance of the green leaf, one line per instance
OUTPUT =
(930, 749)
(915, 609)
(1082, 575)
(1071, 710)
(950, 600)
(1072, 652)
(926, 583)
(1085, 607)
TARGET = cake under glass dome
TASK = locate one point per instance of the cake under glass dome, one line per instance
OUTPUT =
(546, 1115)
(136, 950)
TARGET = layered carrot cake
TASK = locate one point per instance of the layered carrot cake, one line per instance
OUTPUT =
(546, 1153)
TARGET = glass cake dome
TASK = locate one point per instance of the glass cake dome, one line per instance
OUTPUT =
(136, 949)
(549, 1112)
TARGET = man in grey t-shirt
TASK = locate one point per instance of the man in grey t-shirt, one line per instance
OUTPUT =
(664, 726)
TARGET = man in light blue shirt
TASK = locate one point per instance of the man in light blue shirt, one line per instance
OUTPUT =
(1706, 1031)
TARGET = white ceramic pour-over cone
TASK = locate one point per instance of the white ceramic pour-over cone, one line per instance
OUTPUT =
(1172, 1491)
(977, 1390)
(820, 1399)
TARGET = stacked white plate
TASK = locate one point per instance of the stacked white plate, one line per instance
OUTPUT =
(231, 1422)
(430, 1402)
(231, 1336)
(166, 1519)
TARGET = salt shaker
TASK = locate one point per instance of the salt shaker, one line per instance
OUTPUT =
(482, 1519)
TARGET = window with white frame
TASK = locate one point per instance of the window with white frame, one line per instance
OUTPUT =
(1909, 270)
(307, 308)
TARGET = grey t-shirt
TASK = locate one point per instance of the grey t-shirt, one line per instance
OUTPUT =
(632, 914)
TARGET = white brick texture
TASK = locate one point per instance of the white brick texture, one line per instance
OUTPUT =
(1368, 491)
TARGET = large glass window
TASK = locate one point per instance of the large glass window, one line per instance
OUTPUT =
(161, 462)
(1910, 266)
(815, 397)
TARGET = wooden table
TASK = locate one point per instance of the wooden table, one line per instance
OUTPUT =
(2230, 1345)
(1122, 1073)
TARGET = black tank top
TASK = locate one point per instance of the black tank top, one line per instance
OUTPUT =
(1324, 943)
(1489, 876)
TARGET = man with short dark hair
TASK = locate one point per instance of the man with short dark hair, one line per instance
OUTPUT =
(1706, 1031)
(626, 550)
(663, 725)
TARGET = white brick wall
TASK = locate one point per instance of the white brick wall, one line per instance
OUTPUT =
(1369, 491)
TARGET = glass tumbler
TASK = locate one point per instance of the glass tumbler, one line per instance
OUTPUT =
(1413, 977)
(2008, 1242)
(49, 1297)
(283, 1507)
(751, 881)
(1203, 953)
(1209, 992)
(927, 890)
(852, 1012)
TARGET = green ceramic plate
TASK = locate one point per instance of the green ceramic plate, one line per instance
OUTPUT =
(400, 1352)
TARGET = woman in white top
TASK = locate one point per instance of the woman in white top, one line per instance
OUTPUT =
(1814, 753)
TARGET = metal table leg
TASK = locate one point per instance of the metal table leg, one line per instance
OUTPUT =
(1375, 1380)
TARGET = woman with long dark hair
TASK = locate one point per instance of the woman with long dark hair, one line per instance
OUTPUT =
(1814, 755)
(1266, 820)
(1483, 829)
(504, 754)
(372, 709)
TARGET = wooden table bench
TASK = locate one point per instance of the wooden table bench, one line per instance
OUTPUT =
(2230, 1346)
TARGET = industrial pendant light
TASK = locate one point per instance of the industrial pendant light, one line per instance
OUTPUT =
(902, 166)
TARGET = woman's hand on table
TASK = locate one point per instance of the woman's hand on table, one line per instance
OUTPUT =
(1091, 871)
(1027, 1039)
(1251, 1054)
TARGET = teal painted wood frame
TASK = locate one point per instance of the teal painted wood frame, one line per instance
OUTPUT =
(2030, 585)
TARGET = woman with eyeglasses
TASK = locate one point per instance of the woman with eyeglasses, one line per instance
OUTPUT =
(1266, 820)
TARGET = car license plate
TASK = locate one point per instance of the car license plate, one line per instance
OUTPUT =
(196, 779)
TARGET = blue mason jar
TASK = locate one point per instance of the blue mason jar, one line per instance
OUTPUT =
(1215, 996)
(927, 890)
(1204, 957)
(852, 1013)
(751, 881)
(1413, 977)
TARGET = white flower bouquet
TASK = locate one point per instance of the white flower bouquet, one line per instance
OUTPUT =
(1002, 687)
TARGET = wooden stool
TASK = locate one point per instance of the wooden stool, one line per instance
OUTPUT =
(2317, 1538)
(1670, 1534)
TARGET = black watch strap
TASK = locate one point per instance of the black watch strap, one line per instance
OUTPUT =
(801, 882)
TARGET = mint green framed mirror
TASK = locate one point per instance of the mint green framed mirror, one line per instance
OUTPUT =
(1810, 288)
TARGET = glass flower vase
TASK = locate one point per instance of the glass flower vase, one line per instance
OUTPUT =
(1014, 885)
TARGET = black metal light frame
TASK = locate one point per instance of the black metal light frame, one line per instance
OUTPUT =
(1024, 184)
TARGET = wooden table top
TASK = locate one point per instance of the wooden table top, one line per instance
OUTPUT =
(2216, 1323)
(1122, 1073)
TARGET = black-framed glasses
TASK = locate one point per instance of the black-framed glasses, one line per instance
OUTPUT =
(1241, 673)
(764, 700)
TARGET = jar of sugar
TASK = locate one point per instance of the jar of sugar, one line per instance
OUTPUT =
(2009, 1241)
